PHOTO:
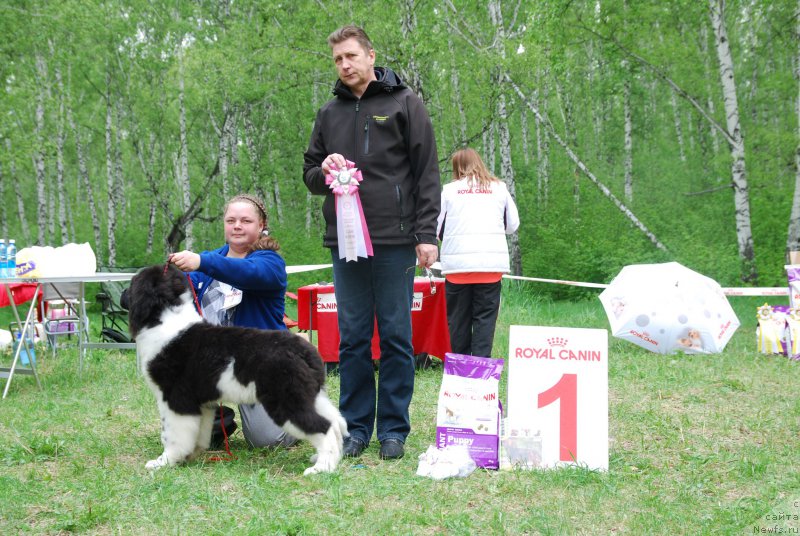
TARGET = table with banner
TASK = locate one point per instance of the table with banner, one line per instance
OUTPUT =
(316, 311)
(18, 291)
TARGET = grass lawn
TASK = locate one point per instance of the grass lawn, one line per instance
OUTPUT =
(698, 444)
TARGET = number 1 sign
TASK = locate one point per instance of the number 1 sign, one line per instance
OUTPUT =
(558, 395)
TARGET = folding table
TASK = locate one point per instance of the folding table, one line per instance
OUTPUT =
(83, 331)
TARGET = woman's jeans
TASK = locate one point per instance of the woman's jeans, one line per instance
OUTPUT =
(381, 287)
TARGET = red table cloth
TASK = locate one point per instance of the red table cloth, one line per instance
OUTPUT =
(22, 292)
(316, 310)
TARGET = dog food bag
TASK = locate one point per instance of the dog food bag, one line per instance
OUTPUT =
(793, 277)
(771, 333)
(469, 408)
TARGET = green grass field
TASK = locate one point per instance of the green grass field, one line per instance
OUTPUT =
(698, 444)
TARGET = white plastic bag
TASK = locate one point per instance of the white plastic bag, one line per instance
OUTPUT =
(70, 260)
(451, 461)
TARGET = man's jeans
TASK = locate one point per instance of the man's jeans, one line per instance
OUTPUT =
(471, 316)
(382, 286)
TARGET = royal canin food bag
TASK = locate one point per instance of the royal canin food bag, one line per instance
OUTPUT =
(469, 409)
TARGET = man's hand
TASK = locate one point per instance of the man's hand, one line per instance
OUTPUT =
(332, 161)
(426, 255)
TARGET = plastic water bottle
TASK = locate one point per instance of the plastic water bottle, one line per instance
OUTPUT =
(25, 355)
(3, 261)
(11, 259)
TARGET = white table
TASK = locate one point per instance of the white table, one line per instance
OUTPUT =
(83, 331)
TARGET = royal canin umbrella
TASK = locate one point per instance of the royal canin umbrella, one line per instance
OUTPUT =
(668, 307)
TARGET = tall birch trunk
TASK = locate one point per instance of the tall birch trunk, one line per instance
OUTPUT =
(628, 128)
(183, 161)
(119, 178)
(111, 215)
(455, 82)
(23, 220)
(223, 148)
(628, 142)
(741, 194)
(408, 25)
(63, 223)
(707, 69)
(793, 235)
(542, 143)
(38, 155)
(506, 165)
(85, 181)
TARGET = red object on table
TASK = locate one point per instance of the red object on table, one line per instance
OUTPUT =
(22, 292)
(316, 310)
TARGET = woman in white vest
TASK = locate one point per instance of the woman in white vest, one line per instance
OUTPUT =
(477, 214)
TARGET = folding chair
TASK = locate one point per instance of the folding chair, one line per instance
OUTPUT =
(60, 312)
(114, 318)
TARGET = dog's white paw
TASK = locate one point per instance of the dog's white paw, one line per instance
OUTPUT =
(314, 457)
(324, 464)
(158, 463)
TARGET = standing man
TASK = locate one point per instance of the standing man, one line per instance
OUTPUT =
(382, 127)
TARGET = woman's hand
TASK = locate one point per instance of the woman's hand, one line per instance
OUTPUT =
(186, 261)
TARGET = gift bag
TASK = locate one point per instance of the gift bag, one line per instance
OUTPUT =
(793, 279)
(771, 333)
(469, 408)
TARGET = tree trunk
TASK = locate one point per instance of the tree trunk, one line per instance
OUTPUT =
(83, 172)
(542, 144)
(183, 162)
(111, 215)
(793, 235)
(710, 101)
(23, 221)
(628, 142)
(63, 222)
(506, 165)
(741, 193)
(38, 156)
(408, 26)
(455, 82)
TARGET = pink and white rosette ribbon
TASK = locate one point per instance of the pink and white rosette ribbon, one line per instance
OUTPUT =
(351, 227)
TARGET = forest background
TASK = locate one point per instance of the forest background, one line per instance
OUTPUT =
(628, 130)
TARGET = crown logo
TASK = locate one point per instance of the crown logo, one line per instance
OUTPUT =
(557, 341)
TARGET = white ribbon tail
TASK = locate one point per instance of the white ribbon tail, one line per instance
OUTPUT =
(349, 231)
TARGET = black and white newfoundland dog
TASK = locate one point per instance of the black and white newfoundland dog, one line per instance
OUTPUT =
(192, 365)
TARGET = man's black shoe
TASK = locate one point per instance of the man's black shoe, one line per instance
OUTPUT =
(353, 447)
(392, 449)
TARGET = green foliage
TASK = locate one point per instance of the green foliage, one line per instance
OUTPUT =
(267, 65)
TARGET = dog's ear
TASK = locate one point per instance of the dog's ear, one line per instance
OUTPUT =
(123, 299)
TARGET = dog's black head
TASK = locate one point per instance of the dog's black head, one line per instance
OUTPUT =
(151, 292)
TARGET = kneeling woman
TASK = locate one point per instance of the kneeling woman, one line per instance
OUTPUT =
(243, 283)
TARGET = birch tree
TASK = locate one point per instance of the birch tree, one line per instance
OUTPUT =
(793, 234)
(741, 193)
(183, 162)
(506, 166)
(38, 157)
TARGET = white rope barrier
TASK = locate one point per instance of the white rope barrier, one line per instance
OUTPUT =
(306, 268)
(728, 291)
